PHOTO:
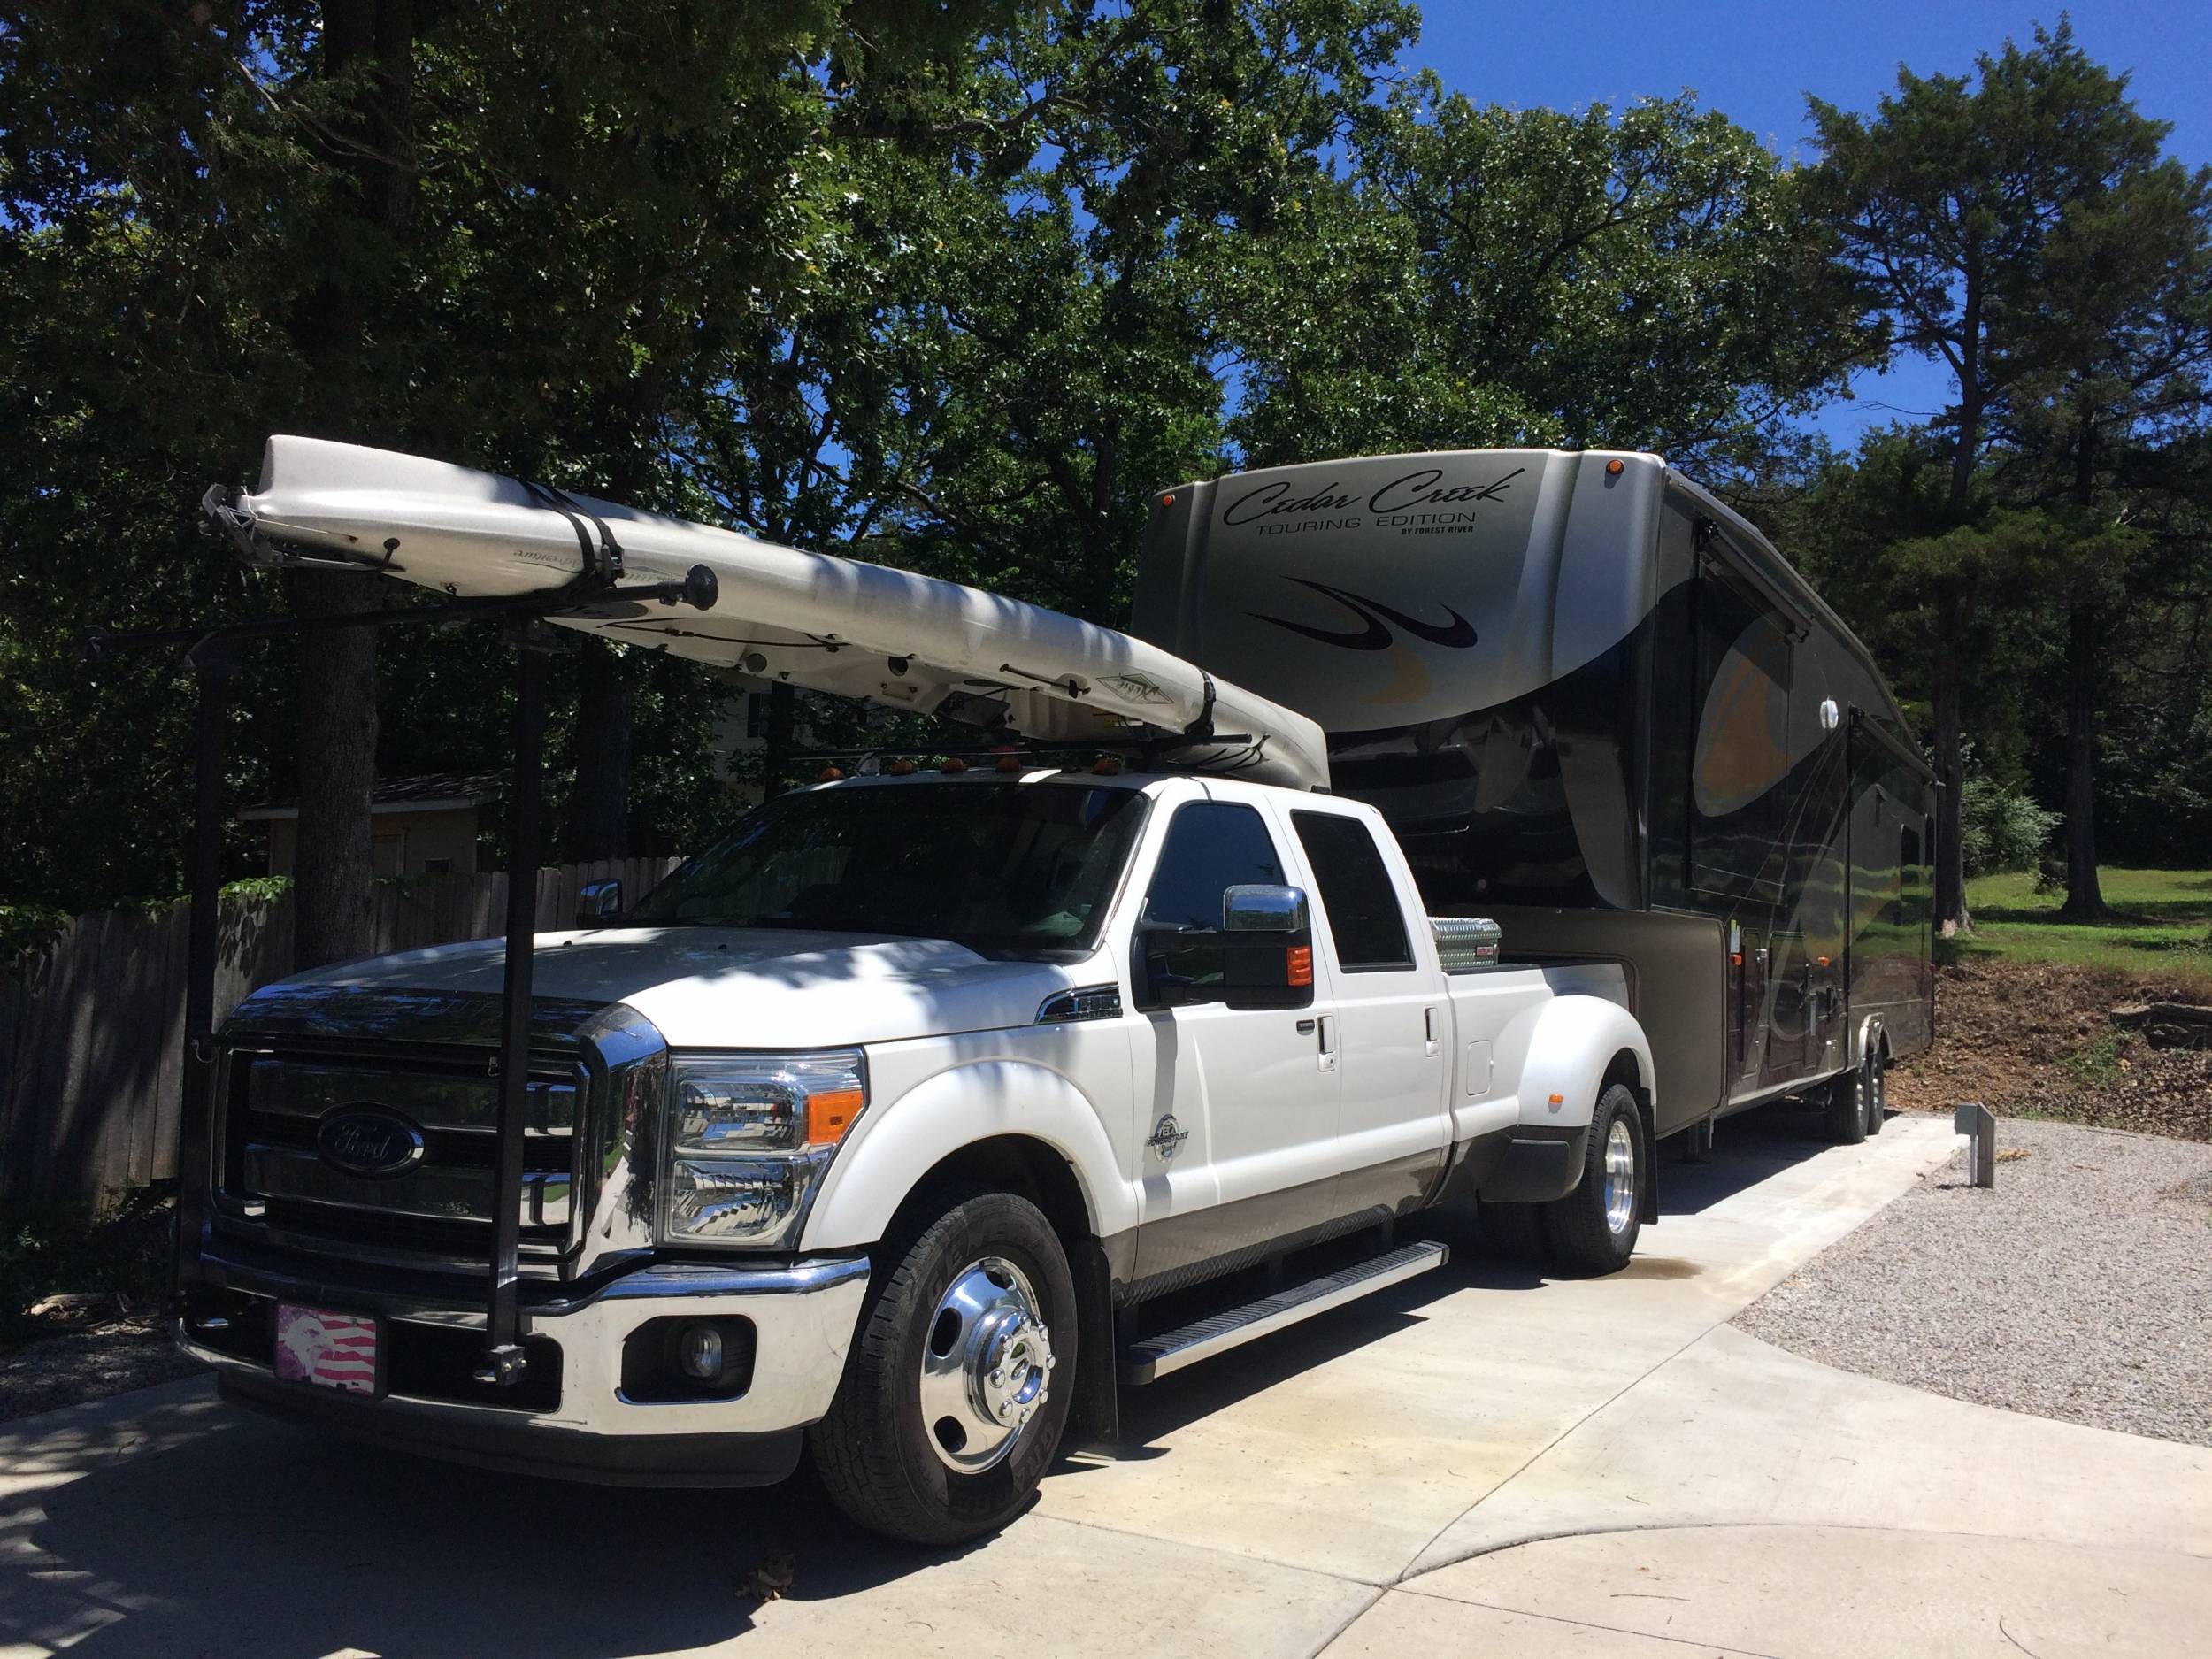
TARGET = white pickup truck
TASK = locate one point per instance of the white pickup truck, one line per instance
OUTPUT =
(903, 1123)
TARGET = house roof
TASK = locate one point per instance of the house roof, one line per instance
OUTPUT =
(429, 792)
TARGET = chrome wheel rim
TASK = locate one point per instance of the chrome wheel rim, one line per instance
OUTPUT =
(1620, 1176)
(987, 1366)
(1874, 1092)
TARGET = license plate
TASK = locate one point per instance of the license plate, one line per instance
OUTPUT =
(330, 1350)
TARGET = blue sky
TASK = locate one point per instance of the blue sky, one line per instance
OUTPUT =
(1755, 63)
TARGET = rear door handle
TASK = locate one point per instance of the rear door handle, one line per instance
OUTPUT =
(1428, 1030)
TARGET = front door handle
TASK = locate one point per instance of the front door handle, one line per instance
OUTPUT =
(1326, 1059)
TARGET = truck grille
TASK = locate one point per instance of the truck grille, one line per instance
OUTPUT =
(274, 1180)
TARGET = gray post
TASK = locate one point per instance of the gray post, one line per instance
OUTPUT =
(1978, 1124)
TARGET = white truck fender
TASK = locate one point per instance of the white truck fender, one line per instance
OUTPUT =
(895, 1142)
(1574, 1040)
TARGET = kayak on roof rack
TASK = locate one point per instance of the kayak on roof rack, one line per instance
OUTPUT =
(814, 619)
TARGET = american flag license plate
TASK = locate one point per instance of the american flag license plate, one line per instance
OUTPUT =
(331, 1350)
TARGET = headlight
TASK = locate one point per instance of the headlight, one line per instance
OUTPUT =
(750, 1136)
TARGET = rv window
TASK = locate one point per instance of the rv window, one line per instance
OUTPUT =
(1366, 919)
(1741, 761)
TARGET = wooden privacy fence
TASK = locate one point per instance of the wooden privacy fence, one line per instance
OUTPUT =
(92, 1031)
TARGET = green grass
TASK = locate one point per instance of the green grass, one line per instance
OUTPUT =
(2163, 934)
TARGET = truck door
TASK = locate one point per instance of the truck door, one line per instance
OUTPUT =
(1392, 1134)
(1240, 1129)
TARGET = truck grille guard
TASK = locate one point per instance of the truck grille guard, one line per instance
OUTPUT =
(296, 1062)
(213, 654)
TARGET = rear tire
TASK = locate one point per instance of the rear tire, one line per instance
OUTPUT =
(1593, 1230)
(972, 1313)
(1878, 1101)
(1849, 1094)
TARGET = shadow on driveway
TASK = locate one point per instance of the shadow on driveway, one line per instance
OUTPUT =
(217, 1532)
(232, 1534)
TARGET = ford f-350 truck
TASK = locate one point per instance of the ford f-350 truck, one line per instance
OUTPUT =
(884, 1128)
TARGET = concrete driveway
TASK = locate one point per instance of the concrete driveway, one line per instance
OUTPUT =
(1478, 1462)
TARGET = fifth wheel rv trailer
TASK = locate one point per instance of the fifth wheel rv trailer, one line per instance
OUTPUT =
(1597, 707)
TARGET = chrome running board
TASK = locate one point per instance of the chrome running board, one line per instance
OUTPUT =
(1156, 1356)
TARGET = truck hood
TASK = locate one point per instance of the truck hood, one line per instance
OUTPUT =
(728, 987)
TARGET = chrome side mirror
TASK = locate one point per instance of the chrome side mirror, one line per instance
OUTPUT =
(1256, 908)
(598, 903)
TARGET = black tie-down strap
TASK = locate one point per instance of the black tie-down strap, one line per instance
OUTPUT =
(602, 559)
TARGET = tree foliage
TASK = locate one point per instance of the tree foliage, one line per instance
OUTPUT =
(1644, 279)
(957, 286)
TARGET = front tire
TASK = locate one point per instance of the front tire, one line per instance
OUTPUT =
(1593, 1230)
(958, 1385)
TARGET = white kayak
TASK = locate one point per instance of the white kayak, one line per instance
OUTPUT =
(817, 621)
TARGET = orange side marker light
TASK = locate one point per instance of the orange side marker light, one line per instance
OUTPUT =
(1299, 963)
(830, 1113)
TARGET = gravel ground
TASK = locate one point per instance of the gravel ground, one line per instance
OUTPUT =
(2080, 1287)
(106, 1359)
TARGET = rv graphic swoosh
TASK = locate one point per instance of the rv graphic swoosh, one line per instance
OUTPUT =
(1455, 635)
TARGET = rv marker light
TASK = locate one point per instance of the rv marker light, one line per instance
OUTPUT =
(1613, 469)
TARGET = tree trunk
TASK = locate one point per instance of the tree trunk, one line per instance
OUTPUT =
(1950, 868)
(332, 916)
(2084, 900)
(606, 714)
(337, 670)
(1951, 613)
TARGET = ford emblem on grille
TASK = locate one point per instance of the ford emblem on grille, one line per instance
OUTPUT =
(365, 1138)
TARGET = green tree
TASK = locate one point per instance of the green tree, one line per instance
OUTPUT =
(2093, 432)
(1645, 278)
(1060, 331)
(506, 235)
(1984, 220)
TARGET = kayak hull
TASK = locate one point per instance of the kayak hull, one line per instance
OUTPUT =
(816, 621)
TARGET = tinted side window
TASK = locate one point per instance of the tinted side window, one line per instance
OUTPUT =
(1365, 918)
(1211, 845)
(1742, 754)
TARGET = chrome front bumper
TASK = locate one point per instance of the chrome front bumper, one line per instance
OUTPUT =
(804, 1315)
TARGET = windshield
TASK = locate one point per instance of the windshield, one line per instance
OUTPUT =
(1006, 869)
